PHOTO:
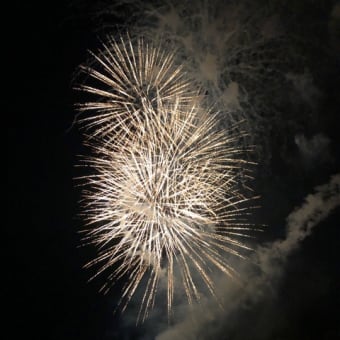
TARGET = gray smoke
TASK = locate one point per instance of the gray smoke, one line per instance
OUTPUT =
(314, 150)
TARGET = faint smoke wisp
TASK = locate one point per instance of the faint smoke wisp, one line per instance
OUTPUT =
(314, 150)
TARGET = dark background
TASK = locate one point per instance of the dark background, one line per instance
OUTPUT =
(50, 297)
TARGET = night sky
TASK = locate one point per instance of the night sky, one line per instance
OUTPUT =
(50, 296)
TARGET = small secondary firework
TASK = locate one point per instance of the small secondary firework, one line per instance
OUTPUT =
(163, 202)
(123, 77)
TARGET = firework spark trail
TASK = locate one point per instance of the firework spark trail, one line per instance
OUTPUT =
(164, 195)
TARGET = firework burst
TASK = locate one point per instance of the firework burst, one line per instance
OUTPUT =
(166, 196)
(164, 200)
(123, 77)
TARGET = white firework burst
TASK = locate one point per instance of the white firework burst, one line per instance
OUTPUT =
(123, 76)
(166, 196)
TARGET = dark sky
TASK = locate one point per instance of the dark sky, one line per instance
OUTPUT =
(51, 298)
